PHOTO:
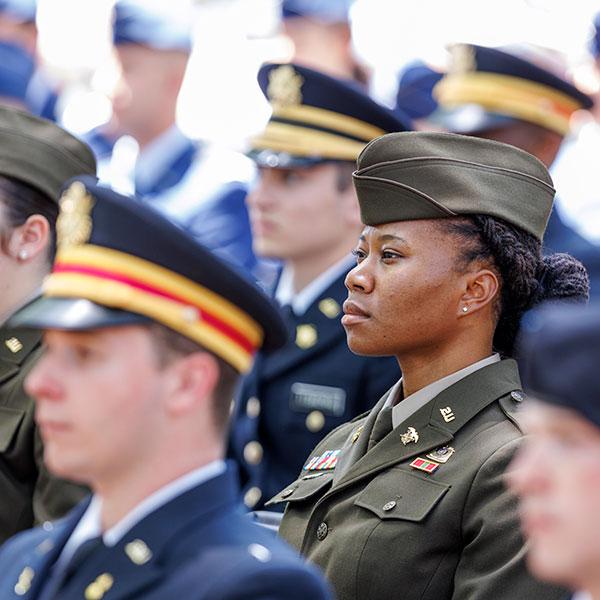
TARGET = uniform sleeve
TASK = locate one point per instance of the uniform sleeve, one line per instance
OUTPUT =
(52, 497)
(492, 564)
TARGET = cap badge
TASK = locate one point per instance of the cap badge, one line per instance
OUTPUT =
(411, 436)
(462, 59)
(285, 86)
(74, 224)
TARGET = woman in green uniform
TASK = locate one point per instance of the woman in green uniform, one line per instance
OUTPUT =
(408, 501)
(36, 158)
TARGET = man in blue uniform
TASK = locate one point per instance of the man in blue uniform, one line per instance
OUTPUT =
(142, 150)
(304, 212)
(497, 95)
(144, 344)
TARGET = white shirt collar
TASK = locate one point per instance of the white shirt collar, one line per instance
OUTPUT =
(89, 525)
(414, 402)
(301, 301)
(582, 596)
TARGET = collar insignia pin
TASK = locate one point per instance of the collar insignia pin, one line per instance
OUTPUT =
(411, 436)
(13, 344)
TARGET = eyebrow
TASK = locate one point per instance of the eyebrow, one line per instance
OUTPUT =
(387, 237)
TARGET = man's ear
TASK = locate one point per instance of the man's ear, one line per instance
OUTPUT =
(192, 382)
(481, 289)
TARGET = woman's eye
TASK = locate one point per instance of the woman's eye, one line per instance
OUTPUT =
(359, 254)
(390, 255)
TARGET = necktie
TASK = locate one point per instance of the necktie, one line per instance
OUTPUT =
(61, 577)
(383, 425)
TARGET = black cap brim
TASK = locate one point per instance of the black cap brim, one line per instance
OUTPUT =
(72, 314)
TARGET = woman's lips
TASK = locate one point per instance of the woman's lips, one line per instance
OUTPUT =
(354, 314)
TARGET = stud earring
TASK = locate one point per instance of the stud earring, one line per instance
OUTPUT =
(465, 308)
(23, 255)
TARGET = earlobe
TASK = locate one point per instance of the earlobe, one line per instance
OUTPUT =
(481, 290)
(31, 238)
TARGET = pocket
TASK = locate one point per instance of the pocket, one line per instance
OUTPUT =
(399, 494)
(307, 486)
(10, 421)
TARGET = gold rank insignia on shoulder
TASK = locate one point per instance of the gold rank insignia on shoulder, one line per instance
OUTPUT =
(442, 454)
(306, 336)
(356, 434)
(13, 344)
(74, 224)
(138, 552)
(327, 460)
(99, 587)
(24, 583)
(285, 86)
(330, 308)
(411, 436)
(424, 465)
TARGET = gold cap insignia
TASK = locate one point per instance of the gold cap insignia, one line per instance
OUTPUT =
(285, 86)
(411, 436)
(74, 224)
(24, 583)
(462, 59)
(138, 552)
(13, 344)
(306, 336)
(99, 587)
(329, 307)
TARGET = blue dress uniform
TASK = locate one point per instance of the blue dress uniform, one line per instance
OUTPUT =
(185, 536)
(487, 89)
(197, 546)
(294, 397)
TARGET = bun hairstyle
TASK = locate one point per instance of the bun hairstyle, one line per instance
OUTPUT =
(526, 277)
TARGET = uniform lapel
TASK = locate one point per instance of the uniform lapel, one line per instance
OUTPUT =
(434, 423)
(15, 346)
(321, 319)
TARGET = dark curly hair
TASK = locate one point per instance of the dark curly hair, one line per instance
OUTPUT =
(526, 277)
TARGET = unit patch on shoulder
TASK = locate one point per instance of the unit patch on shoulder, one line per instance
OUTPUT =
(327, 460)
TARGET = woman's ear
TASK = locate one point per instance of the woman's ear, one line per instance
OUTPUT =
(482, 288)
(31, 239)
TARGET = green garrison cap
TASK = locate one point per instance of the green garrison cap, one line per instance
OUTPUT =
(422, 175)
(40, 153)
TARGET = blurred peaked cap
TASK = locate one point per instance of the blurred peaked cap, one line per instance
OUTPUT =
(156, 24)
(560, 353)
(40, 153)
(415, 90)
(424, 175)
(317, 118)
(16, 69)
(119, 261)
(505, 85)
(21, 10)
(327, 11)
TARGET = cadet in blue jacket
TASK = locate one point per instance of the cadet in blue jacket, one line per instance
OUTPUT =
(145, 343)
(304, 212)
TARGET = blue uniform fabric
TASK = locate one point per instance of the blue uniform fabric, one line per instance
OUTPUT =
(350, 385)
(199, 187)
(203, 548)
(559, 237)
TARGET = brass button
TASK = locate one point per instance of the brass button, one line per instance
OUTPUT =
(389, 505)
(517, 396)
(322, 531)
(253, 407)
(315, 421)
(287, 492)
(253, 453)
(252, 496)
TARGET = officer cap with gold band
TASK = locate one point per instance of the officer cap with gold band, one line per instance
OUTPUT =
(425, 175)
(488, 88)
(317, 118)
(120, 262)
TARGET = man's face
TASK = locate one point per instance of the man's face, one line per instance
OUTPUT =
(98, 401)
(299, 213)
(557, 477)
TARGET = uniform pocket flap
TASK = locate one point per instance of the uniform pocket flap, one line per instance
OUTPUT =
(399, 494)
(10, 419)
(307, 486)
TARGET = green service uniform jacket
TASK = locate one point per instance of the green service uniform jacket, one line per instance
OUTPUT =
(28, 493)
(399, 522)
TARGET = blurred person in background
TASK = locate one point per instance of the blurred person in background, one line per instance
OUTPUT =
(36, 158)
(304, 212)
(320, 33)
(494, 94)
(556, 473)
(142, 151)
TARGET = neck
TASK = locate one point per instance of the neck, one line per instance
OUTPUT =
(307, 269)
(18, 290)
(146, 136)
(422, 368)
(122, 492)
